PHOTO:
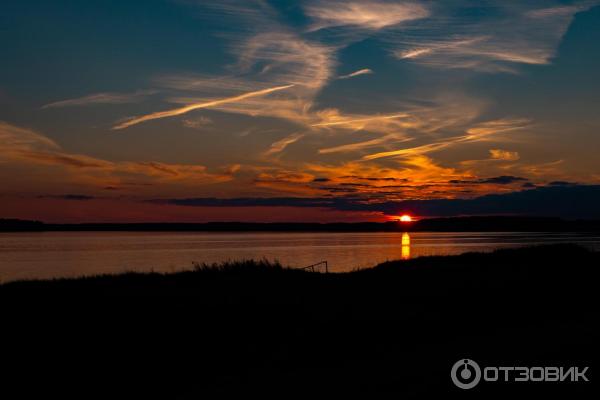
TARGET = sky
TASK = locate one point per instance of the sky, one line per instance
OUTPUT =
(314, 110)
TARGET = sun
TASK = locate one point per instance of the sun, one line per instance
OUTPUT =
(406, 218)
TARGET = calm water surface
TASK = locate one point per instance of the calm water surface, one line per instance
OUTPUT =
(62, 254)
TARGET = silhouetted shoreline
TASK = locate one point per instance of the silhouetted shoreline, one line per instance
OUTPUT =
(455, 224)
(501, 263)
(255, 328)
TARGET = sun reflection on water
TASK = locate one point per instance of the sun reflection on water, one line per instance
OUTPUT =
(405, 255)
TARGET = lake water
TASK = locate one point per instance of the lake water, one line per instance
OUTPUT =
(68, 254)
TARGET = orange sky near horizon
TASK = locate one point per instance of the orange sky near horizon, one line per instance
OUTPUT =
(326, 111)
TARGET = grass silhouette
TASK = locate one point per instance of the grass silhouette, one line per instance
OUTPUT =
(255, 327)
(533, 269)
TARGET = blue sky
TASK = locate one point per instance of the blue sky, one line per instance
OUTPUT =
(375, 101)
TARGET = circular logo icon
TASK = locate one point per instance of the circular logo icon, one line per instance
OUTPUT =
(465, 374)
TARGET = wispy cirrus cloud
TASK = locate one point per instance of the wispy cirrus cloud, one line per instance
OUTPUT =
(364, 71)
(267, 54)
(351, 122)
(511, 34)
(366, 14)
(558, 11)
(197, 106)
(102, 98)
(478, 133)
(285, 57)
(280, 58)
(14, 139)
(357, 146)
(63, 159)
(280, 145)
(197, 123)
(24, 146)
(448, 117)
(483, 53)
(298, 65)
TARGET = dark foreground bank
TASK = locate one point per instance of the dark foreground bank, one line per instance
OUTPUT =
(258, 329)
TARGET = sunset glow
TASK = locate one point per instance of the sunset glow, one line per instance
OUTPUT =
(311, 189)
(332, 111)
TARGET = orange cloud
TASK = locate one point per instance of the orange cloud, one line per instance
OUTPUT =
(498, 154)
(20, 145)
(280, 145)
(334, 119)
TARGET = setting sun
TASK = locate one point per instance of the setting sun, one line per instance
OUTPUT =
(406, 218)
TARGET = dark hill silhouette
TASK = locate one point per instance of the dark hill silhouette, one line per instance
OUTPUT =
(253, 328)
